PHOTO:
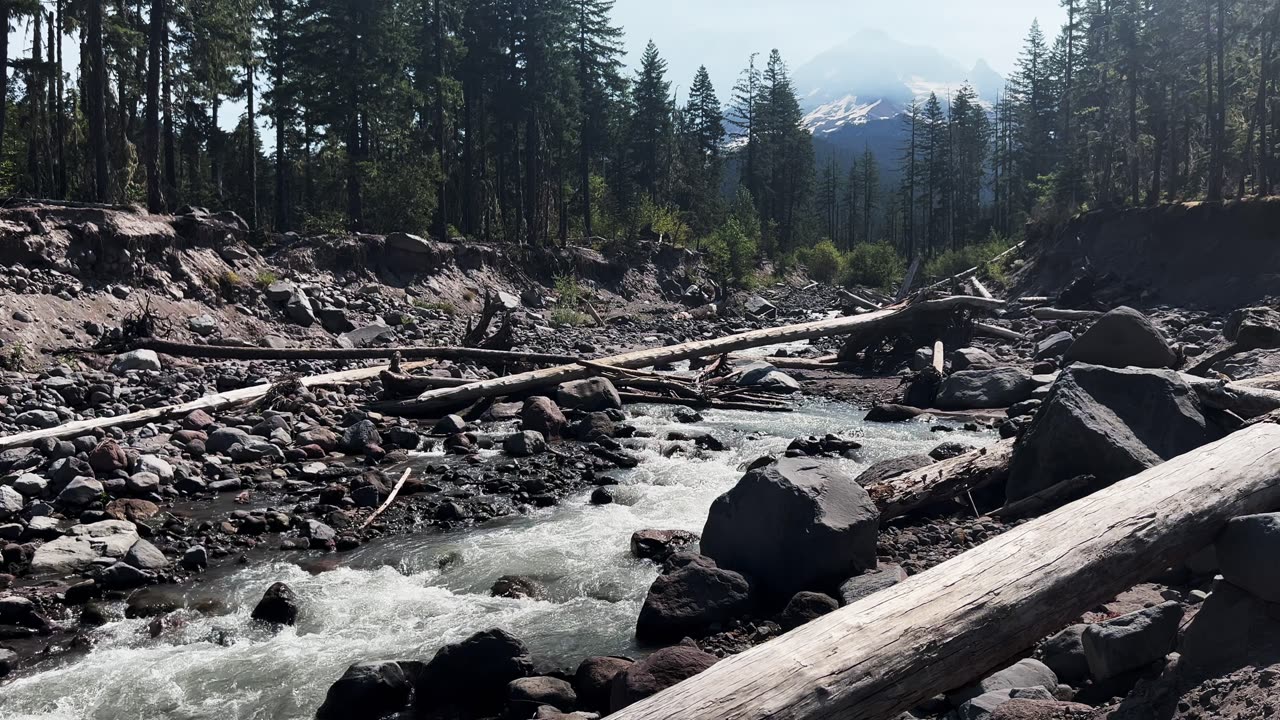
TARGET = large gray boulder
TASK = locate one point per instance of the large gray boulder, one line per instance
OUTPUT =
(135, 360)
(1233, 629)
(589, 395)
(1123, 337)
(1248, 553)
(692, 601)
(1025, 673)
(1109, 423)
(796, 524)
(996, 388)
(83, 545)
(970, 358)
(1131, 641)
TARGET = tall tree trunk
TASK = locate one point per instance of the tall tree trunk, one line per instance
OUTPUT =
(215, 146)
(169, 150)
(442, 202)
(1214, 180)
(59, 117)
(253, 143)
(4, 68)
(35, 95)
(282, 118)
(155, 195)
(97, 87)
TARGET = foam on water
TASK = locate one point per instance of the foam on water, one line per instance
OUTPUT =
(391, 599)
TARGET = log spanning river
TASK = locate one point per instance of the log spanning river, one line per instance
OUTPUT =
(403, 598)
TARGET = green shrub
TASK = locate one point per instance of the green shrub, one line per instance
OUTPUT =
(566, 317)
(265, 279)
(731, 255)
(954, 262)
(823, 262)
(873, 265)
(443, 306)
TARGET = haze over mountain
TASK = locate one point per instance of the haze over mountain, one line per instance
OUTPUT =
(854, 94)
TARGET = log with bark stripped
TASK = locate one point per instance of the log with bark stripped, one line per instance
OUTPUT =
(208, 403)
(948, 626)
(1060, 314)
(435, 400)
(910, 491)
(229, 352)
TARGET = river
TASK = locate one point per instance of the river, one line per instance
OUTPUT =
(396, 598)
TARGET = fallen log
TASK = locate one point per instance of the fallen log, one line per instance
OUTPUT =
(979, 288)
(1048, 313)
(1243, 400)
(208, 403)
(402, 385)
(937, 359)
(230, 352)
(949, 625)
(1270, 381)
(434, 400)
(858, 300)
(910, 491)
(701, 403)
(1049, 498)
(998, 332)
(971, 271)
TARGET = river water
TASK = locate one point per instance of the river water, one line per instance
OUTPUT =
(396, 598)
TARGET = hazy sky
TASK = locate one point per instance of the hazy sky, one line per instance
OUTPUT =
(722, 33)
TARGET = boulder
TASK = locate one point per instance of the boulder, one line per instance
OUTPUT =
(762, 374)
(1131, 641)
(996, 388)
(590, 395)
(517, 587)
(145, 556)
(407, 243)
(658, 545)
(886, 575)
(359, 436)
(1123, 337)
(759, 307)
(1064, 654)
(986, 705)
(367, 336)
(971, 359)
(136, 360)
(885, 469)
(222, 439)
(692, 601)
(1109, 423)
(367, 690)
(593, 679)
(889, 412)
(542, 415)
(1248, 552)
(473, 673)
(805, 606)
(11, 502)
(657, 672)
(1054, 345)
(1253, 328)
(83, 545)
(37, 418)
(108, 457)
(527, 694)
(80, 492)
(524, 444)
(278, 606)
(1231, 630)
(795, 524)
(1025, 673)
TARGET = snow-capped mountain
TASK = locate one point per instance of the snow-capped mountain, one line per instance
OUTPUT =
(854, 94)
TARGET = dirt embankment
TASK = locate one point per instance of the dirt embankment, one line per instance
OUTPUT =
(1192, 255)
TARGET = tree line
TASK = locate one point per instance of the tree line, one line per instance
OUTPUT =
(516, 121)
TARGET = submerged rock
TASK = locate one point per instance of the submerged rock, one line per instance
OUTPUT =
(278, 606)
(367, 690)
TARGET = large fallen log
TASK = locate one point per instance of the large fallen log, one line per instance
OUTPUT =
(1048, 313)
(949, 625)
(998, 332)
(941, 481)
(208, 403)
(231, 352)
(1243, 400)
(434, 400)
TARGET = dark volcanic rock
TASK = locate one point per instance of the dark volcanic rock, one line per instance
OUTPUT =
(657, 672)
(886, 575)
(1108, 423)
(541, 414)
(1249, 554)
(658, 545)
(593, 680)
(367, 690)
(590, 395)
(885, 469)
(1131, 641)
(806, 606)
(692, 601)
(797, 524)
(279, 605)
(996, 388)
(472, 674)
(1123, 337)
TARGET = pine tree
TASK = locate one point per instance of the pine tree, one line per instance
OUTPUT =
(651, 122)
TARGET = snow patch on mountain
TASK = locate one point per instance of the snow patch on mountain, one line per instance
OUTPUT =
(848, 110)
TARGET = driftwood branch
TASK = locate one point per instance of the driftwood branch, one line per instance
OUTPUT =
(228, 352)
(949, 625)
(941, 481)
(387, 503)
